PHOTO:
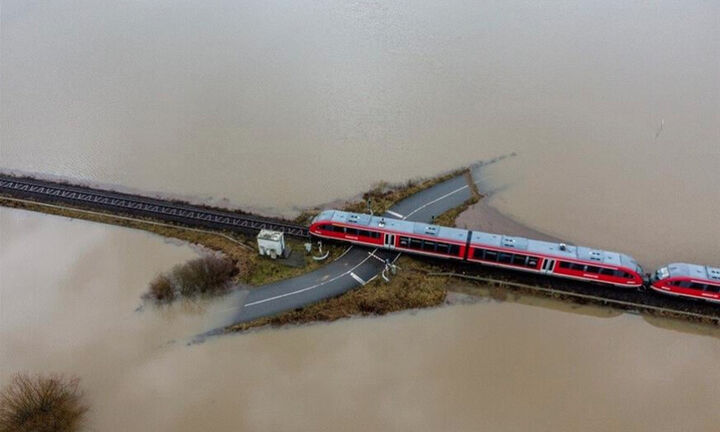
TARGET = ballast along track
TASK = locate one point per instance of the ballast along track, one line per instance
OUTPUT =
(128, 204)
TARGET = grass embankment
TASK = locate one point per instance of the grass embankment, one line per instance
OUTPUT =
(41, 404)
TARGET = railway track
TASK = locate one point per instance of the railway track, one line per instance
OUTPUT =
(629, 299)
(136, 205)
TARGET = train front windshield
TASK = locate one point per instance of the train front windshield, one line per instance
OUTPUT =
(662, 273)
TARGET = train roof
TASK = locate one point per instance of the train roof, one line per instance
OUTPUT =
(559, 250)
(399, 225)
(694, 271)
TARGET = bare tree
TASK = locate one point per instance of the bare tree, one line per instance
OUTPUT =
(42, 403)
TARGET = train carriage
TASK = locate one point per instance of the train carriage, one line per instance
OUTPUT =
(389, 233)
(515, 253)
(688, 280)
(557, 259)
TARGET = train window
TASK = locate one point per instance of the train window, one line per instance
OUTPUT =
(577, 267)
(454, 250)
(592, 269)
(505, 258)
(375, 234)
(627, 275)
(674, 283)
(443, 248)
(532, 262)
(338, 229)
(685, 284)
(697, 286)
(429, 246)
(519, 260)
(363, 233)
(565, 264)
(404, 241)
(352, 231)
(491, 255)
(607, 272)
(415, 243)
(479, 253)
(713, 288)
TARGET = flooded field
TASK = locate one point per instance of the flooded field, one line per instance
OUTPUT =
(501, 366)
(612, 107)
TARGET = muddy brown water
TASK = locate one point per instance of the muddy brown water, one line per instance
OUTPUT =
(69, 290)
(613, 109)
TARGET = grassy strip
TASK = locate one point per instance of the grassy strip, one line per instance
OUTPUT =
(449, 217)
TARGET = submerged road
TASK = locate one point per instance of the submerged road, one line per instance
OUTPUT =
(355, 268)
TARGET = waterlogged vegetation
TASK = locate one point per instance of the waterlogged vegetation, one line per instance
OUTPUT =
(206, 276)
(42, 403)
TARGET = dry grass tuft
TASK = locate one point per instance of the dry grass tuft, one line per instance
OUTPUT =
(41, 404)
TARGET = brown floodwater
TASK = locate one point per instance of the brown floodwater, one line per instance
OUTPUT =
(69, 290)
(613, 108)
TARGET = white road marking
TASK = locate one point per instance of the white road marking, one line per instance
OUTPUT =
(376, 257)
(398, 215)
(308, 288)
(343, 254)
(357, 278)
(434, 201)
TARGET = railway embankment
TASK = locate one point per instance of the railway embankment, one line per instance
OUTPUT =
(420, 282)
(253, 270)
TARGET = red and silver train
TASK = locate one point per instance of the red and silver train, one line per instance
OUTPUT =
(517, 253)
(688, 280)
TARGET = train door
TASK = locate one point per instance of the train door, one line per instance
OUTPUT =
(390, 241)
(548, 265)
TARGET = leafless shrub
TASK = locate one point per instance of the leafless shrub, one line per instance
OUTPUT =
(41, 404)
(161, 289)
(203, 276)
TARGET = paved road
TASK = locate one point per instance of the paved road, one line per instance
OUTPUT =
(355, 268)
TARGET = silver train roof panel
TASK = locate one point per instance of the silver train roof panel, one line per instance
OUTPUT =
(401, 226)
(554, 249)
(694, 271)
